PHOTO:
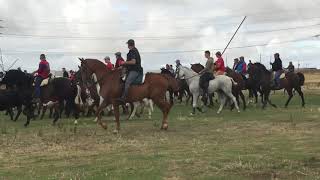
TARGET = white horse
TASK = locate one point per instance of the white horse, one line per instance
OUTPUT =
(221, 84)
(148, 103)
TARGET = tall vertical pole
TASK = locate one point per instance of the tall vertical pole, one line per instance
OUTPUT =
(260, 58)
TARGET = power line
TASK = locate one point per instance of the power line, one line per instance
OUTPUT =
(166, 52)
(143, 37)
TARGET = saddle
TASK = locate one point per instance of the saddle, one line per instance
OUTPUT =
(44, 82)
(273, 77)
(138, 81)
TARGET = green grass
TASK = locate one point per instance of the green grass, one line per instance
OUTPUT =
(255, 144)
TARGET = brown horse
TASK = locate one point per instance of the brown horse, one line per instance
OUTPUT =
(237, 89)
(110, 88)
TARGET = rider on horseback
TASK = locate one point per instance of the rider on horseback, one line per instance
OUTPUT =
(219, 64)
(133, 66)
(241, 67)
(206, 74)
(277, 67)
(42, 73)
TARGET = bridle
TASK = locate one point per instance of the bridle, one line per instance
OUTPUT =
(178, 73)
(91, 72)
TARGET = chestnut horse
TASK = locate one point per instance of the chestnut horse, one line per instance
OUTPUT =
(110, 88)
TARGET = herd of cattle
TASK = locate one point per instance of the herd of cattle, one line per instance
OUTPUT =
(61, 96)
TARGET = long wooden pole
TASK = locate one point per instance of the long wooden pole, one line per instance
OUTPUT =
(234, 34)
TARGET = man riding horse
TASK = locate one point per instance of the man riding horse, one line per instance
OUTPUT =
(206, 74)
(42, 73)
(133, 66)
(277, 68)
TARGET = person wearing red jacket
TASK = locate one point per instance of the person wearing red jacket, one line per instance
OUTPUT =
(119, 60)
(42, 73)
(219, 64)
(108, 63)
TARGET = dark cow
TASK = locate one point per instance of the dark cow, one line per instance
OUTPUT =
(19, 93)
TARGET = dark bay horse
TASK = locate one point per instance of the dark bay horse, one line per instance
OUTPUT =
(262, 78)
(241, 85)
(110, 88)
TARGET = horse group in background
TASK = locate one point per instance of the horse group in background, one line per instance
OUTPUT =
(94, 88)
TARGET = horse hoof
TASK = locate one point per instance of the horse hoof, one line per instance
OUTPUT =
(115, 131)
(238, 111)
(164, 126)
(192, 114)
(104, 126)
(95, 120)
(25, 125)
(218, 112)
(75, 122)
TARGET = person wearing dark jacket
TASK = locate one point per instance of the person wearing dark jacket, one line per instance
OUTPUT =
(290, 67)
(65, 73)
(277, 67)
(134, 69)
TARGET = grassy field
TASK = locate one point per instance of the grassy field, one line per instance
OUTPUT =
(255, 144)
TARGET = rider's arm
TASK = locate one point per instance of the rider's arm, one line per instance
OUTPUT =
(132, 62)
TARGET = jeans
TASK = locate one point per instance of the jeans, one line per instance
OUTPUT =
(204, 81)
(37, 84)
(132, 76)
(277, 77)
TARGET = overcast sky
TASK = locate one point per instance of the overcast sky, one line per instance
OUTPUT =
(163, 30)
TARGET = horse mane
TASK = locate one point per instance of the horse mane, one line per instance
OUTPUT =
(189, 69)
(261, 66)
(197, 64)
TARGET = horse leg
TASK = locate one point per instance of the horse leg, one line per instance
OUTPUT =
(290, 97)
(222, 100)
(56, 114)
(211, 95)
(117, 116)
(301, 95)
(230, 95)
(165, 108)
(243, 100)
(19, 108)
(133, 110)
(150, 108)
(10, 112)
(171, 97)
(28, 114)
(98, 114)
(267, 98)
(194, 103)
(44, 109)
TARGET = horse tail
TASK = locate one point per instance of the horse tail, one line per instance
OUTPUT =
(301, 78)
(233, 82)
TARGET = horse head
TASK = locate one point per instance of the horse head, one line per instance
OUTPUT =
(85, 73)
(197, 67)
